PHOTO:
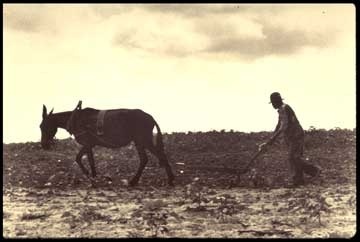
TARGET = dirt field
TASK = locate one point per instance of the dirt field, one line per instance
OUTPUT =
(45, 194)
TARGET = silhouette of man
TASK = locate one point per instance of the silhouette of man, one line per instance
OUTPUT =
(293, 133)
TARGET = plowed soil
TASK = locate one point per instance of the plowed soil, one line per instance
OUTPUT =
(46, 195)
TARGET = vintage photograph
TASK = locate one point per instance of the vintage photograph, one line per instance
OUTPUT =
(179, 120)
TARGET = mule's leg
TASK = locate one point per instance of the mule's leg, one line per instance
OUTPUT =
(91, 161)
(143, 160)
(82, 151)
(160, 154)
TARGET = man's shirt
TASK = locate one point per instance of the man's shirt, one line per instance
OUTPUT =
(289, 124)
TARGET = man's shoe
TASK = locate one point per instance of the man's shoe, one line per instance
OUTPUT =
(298, 182)
(316, 174)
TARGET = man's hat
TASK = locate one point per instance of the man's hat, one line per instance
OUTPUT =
(275, 96)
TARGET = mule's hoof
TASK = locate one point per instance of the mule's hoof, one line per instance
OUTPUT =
(92, 182)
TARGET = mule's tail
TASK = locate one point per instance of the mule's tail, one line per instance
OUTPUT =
(158, 140)
(159, 146)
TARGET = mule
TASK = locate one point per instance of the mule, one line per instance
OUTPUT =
(119, 128)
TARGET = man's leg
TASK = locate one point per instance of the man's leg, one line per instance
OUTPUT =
(295, 159)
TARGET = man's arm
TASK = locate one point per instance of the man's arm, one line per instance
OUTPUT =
(280, 127)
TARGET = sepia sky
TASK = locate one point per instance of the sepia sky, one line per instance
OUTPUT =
(194, 67)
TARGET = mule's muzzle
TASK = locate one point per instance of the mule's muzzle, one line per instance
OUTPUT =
(45, 146)
(47, 143)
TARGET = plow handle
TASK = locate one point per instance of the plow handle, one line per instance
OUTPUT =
(251, 161)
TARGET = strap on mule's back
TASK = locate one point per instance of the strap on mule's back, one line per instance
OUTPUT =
(100, 122)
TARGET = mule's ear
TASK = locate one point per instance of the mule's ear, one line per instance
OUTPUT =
(44, 114)
(52, 110)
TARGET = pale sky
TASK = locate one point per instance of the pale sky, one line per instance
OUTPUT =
(193, 67)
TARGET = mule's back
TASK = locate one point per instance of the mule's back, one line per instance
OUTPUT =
(119, 126)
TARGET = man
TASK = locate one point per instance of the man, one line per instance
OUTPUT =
(293, 133)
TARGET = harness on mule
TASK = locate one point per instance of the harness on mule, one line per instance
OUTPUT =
(79, 131)
(100, 123)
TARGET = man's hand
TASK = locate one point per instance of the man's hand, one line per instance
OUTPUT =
(263, 146)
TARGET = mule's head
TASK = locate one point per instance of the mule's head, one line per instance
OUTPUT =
(48, 129)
